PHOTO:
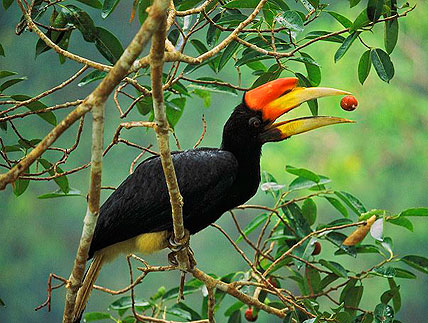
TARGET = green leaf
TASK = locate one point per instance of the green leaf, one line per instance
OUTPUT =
(353, 3)
(385, 271)
(382, 64)
(2, 303)
(349, 285)
(313, 279)
(242, 4)
(10, 83)
(343, 317)
(345, 22)
(302, 183)
(187, 4)
(374, 9)
(420, 211)
(142, 7)
(92, 3)
(361, 21)
(213, 33)
(205, 96)
(384, 313)
(302, 172)
(309, 211)
(82, 21)
(235, 317)
(352, 299)
(403, 273)
(174, 110)
(231, 20)
(254, 223)
(19, 186)
(291, 20)
(313, 69)
(345, 46)
(184, 311)
(334, 267)
(6, 5)
(214, 87)
(1, 50)
(333, 38)
(227, 54)
(202, 49)
(91, 77)
(418, 262)
(313, 104)
(389, 295)
(37, 105)
(364, 66)
(108, 7)
(125, 302)
(402, 222)
(233, 308)
(391, 35)
(173, 293)
(108, 45)
(327, 280)
(355, 204)
(61, 181)
(60, 193)
(396, 298)
(337, 205)
(4, 74)
(364, 318)
(96, 316)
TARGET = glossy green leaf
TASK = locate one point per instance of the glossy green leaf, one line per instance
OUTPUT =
(19, 186)
(96, 316)
(316, 34)
(202, 49)
(313, 279)
(327, 280)
(174, 110)
(334, 267)
(233, 308)
(302, 183)
(353, 3)
(231, 20)
(349, 285)
(213, 87)
(374, 9)
(173, 293)
(182, 310)
(4, 74)
(364, 318)
(302, 172)
(11, 82)
(343, 317)
(364, 66)
(188, 4)
(418, 262)
(353, 298)
(337, 205)
(309, 211)
(235, 317)
(382, 64)
(391, 35)
(108, 7)
(82, 21)
(7, 4)
(345, 46)
(37, 105)
(396, 297)
(313, 69)
(345, 22)
(384, 313)
(108, 45)
(92, 3)
(213, 32)
(291, 20)
(61, 181)
(241, 4)
(142, 10)
(125, 302)
(402, 222)
(354, 203)
(91, 77)
(420, 211)
(60, 193)
(254, 224)
(227, 54)
(385, 271)
(313, 104)
(361, 21)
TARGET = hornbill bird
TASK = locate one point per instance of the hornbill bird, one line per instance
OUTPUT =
(137, 216)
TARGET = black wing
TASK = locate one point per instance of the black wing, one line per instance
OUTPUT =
(141, 203)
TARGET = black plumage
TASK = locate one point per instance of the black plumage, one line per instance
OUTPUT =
(211, 182)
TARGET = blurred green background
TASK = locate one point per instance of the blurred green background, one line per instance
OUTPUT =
(382, 159)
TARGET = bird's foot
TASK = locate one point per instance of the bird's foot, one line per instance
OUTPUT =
(177, 246)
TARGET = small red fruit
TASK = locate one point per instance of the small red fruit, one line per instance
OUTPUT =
(349, 103)
(317, 249)
(249, 315)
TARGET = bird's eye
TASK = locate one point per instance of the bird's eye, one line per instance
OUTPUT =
(254, 122)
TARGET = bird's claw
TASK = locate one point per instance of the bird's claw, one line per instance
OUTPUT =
(177, 246)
